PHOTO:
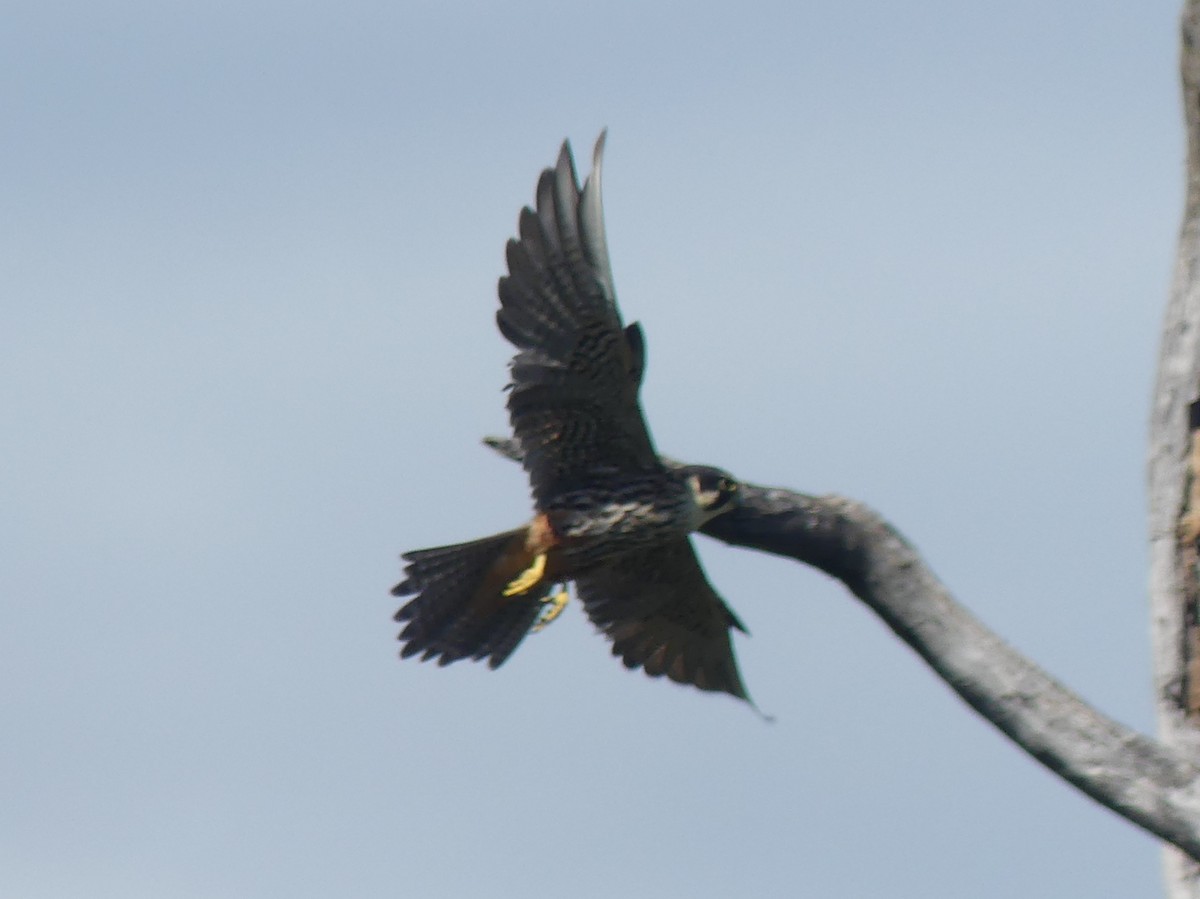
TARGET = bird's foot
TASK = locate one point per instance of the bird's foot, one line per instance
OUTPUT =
(552, 607)
(527, 579)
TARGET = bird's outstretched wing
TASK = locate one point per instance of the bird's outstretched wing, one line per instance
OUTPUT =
(663, 615)
(574, 401)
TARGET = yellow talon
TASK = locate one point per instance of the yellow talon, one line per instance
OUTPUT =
(527, 579)
(551, 609)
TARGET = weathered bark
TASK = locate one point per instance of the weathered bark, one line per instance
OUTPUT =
(1151, 785)
(1174, 497)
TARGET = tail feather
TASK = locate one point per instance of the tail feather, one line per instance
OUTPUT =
(458, 610)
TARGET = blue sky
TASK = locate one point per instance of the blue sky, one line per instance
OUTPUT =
(916, 254)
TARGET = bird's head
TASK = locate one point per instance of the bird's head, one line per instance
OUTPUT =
(715, 491)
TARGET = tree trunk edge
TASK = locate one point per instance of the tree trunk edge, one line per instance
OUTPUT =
(1174, 513)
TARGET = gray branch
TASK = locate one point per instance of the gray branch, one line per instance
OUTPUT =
(1151, 785)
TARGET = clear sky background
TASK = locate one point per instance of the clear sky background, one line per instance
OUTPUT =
(914, 253)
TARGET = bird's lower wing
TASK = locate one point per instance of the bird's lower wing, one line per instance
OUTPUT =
(661, 614)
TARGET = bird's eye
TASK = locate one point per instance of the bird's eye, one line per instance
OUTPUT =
(727, 486)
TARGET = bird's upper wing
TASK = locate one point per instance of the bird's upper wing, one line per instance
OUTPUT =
(574, 400)
(663, 615)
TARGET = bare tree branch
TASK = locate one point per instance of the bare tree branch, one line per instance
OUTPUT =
(1152, 786)
(1155, 787)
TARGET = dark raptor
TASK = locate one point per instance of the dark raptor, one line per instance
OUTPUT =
(609, 515)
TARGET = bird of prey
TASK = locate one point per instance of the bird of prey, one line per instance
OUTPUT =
(609, 516)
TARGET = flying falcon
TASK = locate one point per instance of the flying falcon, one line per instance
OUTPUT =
(608, 514)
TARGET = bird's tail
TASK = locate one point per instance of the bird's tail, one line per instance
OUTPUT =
(471, 600)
